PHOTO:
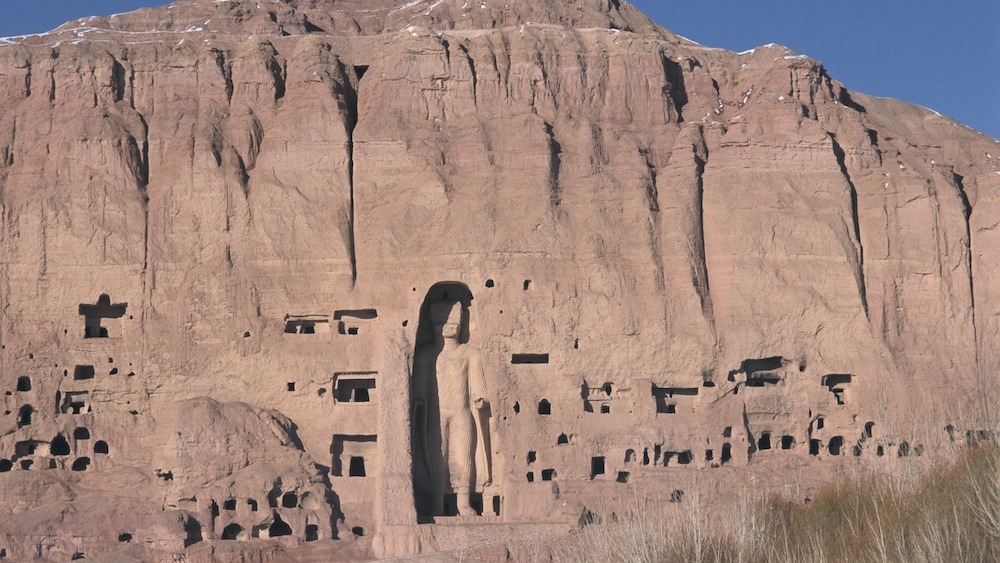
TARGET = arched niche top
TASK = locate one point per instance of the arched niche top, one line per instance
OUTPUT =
(441, 291)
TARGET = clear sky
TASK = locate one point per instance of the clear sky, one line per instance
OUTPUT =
(941, 54)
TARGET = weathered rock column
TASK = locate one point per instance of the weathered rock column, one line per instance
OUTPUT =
(396, 531)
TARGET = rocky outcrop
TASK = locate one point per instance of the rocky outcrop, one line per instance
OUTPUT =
(222, 220)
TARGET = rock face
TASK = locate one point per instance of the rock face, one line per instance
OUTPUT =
(225, 222)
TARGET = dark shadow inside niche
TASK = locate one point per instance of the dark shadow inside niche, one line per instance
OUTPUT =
(83, 372)
(94, 314)
(441, 291)
(59, 446)
(232, 532)
(279, 527)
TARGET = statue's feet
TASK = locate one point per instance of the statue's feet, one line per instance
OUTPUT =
(465, 507)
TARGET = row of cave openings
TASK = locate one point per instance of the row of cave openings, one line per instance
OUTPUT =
(73, 402)
(767, 372)
(350, 322)
(277, 528)
(671, 400)
(765, 441)
(27, 452)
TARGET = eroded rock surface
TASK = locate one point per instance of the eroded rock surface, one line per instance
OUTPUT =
(224, 223)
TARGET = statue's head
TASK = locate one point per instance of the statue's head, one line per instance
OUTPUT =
(446, 316)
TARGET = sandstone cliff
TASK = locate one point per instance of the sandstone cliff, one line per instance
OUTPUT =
(221, 219)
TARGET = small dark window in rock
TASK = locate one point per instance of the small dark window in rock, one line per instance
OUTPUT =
(709, 455)
(527, 284)
(356, 467)
(26, 464)
(252, 503)
(727, 453)
(820, 422)
(289, 500)
(622, 477)
(525, 358)
(562, 439)
(83, 372)
(727, 432)
(81, 464)
(836, 445)
(291, 386)
(358, 531)
(24, 416)
(764, 442)
(25, 447)
(548, 474)
(677, 495)
(59, 446)
(605, 408)
(81, 433)
(517, 407)
(904, 449)
(629, 455)
(24, 383)
(685, 457)
(232, 532)
(787, 442)
(544, 407)
(78, 556)
(880, 450)
(312, 532)
(124, 537)
(596, 466)
(814, 446)
(489, 283)
(192, 530)
(279, 528)
(530, 476)
(101, 447)
(229, 504)
(532, 456)
(6, 465)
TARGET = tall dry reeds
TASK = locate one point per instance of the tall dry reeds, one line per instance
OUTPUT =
(950, 512)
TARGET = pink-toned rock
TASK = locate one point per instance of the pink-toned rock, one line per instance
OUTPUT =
(224, 224)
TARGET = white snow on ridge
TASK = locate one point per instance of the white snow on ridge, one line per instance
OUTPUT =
(409, 4)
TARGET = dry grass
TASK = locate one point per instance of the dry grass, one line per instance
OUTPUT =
(949, 513)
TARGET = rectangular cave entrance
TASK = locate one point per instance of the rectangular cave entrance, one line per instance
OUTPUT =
(671, 399)
(354, 455)
(354, 321)
(837, 383)
(307, 324)
(355, 387)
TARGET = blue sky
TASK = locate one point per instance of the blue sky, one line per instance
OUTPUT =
(940, 54)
